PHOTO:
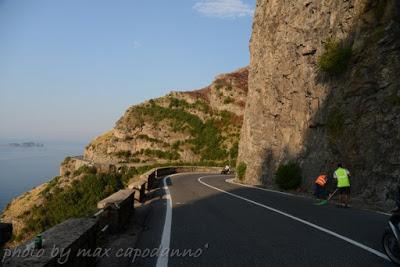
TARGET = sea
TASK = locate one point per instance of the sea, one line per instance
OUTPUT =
(23, 168)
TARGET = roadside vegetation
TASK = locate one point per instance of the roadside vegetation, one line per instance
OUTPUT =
(241, 170)
(288, 176)
(79, 199)
(76, 200)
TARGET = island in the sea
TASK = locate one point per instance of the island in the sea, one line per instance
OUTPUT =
(26, 144)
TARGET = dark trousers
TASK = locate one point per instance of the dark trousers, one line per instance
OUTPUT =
(320, 191)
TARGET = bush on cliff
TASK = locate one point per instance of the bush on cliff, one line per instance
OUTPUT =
(241, 170)
(288, 176)
(336, 57)
(85, 169)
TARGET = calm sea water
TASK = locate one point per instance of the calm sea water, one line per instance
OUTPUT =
(22, 168)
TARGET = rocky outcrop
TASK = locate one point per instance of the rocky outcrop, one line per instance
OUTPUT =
(188, 127)
(298, 110)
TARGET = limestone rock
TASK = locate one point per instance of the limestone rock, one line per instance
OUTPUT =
(296, 111)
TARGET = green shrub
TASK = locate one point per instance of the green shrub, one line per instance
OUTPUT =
(208, 142)
(178, 103)
(241, 170)
(288, 176)
(336, 57)
(86, 170)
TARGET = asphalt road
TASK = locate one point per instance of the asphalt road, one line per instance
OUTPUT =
(223, 224)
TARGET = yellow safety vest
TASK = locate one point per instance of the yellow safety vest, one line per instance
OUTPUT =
(342, 178)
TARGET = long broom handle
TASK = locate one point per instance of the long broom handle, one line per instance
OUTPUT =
(334, 192)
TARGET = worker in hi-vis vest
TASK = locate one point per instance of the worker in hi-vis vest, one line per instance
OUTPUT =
(343, 184)
(320, 186)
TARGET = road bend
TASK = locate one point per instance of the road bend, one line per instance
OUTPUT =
(203, 220)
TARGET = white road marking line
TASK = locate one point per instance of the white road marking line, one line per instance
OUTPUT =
(322, 229)
(162, 260)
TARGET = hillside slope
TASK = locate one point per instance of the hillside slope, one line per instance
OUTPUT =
(323, 89)
(188, 127)
(185, 127)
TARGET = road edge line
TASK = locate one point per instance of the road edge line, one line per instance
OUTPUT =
(162, 260)
(317, 227)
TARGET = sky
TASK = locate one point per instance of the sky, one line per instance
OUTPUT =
(70, 68)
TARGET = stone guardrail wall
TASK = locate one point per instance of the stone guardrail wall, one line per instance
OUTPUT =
(74, 235)
(62, 245)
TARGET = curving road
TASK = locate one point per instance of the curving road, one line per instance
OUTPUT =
(226, 224)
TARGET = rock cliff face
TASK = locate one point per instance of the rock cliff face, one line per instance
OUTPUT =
(300, 110)
(188, 127)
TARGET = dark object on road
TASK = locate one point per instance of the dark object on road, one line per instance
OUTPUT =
(226, 171)
(391, 239)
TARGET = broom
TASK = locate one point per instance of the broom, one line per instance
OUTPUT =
(325, 201)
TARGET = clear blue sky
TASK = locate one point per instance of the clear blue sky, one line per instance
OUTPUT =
(70, 68)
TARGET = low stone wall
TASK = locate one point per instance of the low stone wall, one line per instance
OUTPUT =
(198, 169)
(117, 209)
(61, 245)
